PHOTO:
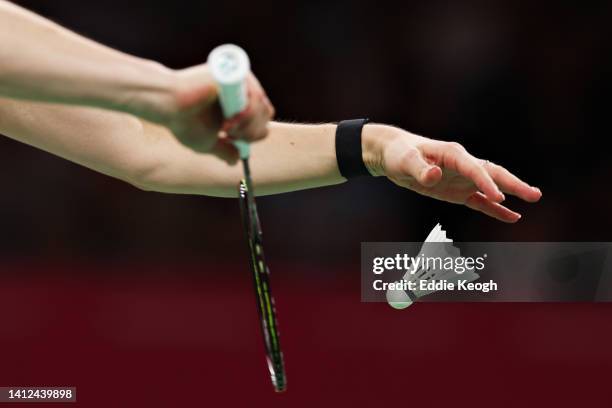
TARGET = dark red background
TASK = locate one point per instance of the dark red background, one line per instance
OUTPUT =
(160, 340)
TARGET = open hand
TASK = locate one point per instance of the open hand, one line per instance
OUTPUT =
(443, 170)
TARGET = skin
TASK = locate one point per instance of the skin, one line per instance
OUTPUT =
(42, 61)
(445, 171)
(292, 157)
(165, 118)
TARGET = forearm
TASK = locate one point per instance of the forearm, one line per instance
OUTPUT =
(292, 157)
(42, 61)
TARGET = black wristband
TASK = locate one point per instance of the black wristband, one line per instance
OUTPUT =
(348, 148)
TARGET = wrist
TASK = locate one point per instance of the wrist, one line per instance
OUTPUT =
(151, 92)
(374, 139)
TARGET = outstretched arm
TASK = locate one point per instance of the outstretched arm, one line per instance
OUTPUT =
(42, 61)
(293, 157)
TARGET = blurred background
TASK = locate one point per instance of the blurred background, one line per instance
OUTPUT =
(146, 298)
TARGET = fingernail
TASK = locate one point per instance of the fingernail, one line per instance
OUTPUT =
(503, 197)
(537, 190)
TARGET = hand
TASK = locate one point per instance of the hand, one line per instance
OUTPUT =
(197, 121)
(443, 170)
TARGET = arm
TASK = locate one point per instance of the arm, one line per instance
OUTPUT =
(42, 61)
(293, 157)
(146, 155)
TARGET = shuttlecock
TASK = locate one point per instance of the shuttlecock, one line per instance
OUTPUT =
(401, 299)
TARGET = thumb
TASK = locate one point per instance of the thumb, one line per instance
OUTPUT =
(413, 164)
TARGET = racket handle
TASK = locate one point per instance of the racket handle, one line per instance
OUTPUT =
(230, 66)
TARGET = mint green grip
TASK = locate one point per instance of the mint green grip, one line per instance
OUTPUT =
(230, 66)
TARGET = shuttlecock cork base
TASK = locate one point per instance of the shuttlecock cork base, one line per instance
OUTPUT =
(423, 274)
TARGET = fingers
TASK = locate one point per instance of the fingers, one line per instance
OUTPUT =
(480, 202)
(455, 157)
(414, 164)
(252, 123)
(511, 184)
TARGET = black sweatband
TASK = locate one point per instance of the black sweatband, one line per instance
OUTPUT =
(348, 148)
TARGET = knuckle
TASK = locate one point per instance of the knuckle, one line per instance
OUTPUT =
(411, 153)
(456, 147)
(493, 166)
